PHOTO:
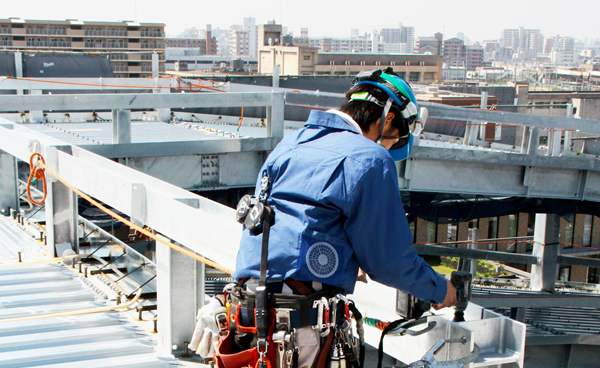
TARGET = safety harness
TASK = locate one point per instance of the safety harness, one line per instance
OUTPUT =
(262, 322)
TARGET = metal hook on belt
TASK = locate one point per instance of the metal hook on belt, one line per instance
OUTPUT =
(322, 325)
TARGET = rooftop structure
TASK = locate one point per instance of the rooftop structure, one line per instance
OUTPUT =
(141, 157)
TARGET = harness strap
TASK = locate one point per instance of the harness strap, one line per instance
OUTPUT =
(261, 311)
(361, 333)
(385, 331)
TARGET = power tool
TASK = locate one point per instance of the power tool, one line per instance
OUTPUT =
(462, 282)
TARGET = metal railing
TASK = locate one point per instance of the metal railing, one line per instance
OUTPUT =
(117, 45)
(153, 45)
(152, 34)
(5, 31)
(93, 32)
(120, 68)
(107, 45)
(149, 57)
(119, 57)
(116, 33)
(48, 44)
(35, 31)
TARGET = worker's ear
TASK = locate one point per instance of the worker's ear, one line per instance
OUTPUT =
(390, 117)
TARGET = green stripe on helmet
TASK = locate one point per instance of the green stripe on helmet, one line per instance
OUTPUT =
(399, 86)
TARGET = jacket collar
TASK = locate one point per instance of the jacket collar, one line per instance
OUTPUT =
(331, 120)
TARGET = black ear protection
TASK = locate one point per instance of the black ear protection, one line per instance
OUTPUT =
(251, 210)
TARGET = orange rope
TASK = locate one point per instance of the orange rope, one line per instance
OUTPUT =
(112, 85)
(125, 221)
(37, 173)
(241, 119)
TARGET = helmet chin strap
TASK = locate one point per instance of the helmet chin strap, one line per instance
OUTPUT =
(386, 109)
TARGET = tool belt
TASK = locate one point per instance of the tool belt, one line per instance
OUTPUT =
(260, 323)
(326, 311)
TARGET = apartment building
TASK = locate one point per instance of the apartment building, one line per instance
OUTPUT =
(454, 52)
(193, 46)
(129, 44)
(239, 41)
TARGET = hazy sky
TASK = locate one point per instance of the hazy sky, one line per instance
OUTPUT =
(477, 19)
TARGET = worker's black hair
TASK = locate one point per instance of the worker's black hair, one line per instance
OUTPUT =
(366, 113)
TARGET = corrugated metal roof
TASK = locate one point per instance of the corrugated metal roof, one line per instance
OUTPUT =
(109, 339)
(101, 133)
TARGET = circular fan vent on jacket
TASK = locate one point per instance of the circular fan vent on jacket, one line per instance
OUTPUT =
(322, 259)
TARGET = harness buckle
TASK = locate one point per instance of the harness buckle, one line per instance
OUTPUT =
(283, 321)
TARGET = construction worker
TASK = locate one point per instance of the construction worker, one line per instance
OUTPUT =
(333, 189)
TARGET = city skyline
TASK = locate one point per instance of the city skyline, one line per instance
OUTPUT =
(476, 21)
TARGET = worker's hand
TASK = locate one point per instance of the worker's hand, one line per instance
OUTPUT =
(362, 276)
(450, 300)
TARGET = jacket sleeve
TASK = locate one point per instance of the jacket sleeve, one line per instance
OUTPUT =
(381, 238)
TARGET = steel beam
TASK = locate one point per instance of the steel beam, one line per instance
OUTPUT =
(546, 238)
(9, 187)
(138, 101)
(180, 292)
(217, 146)
(578, 261)
(530, 300)
(436, 250)
(438, 111)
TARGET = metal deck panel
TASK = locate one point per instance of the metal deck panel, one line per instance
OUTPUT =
(13, 241)
(109, 339)
(101, 133)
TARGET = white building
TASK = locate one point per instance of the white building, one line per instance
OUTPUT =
(238, 41)
(250, 27)
(401, 40)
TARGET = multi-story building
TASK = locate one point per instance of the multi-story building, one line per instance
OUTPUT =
(129, 44)
(361, 45)
(454, 52)
(403, 35)
(522, 40)
(250, 28)
(238, 41)
(211, 42)
(473, 57)
(430, 45)
(193, 46)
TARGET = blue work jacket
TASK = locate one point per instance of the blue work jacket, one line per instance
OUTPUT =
(337, 208)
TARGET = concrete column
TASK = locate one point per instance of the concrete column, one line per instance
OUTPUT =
(473, 238)
(121, 126)
(180, 293)
(61, 211)
(483, 106)
(19, 68)
(276, 77)
(164, 114)
(36, 116)
(9, 189)
(155, 65)
(545, 236)
(534, 141)
(275, 115)
(567, 142)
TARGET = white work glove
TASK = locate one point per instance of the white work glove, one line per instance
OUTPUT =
(206, 333)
